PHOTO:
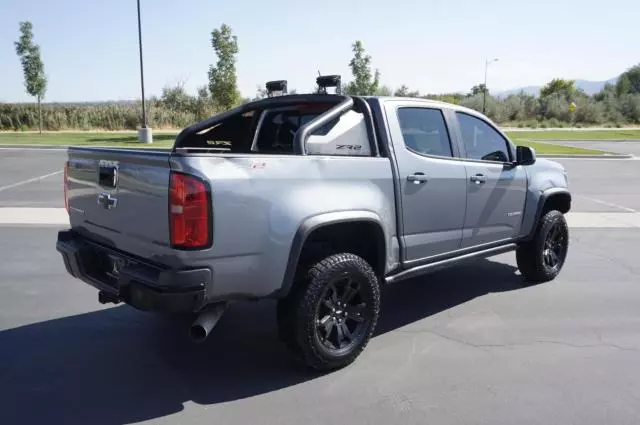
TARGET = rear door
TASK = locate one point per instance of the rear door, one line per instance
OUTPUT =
(496, 189)
(432, 182)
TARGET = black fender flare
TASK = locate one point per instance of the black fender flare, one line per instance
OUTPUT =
(311, 224)
(542, 201)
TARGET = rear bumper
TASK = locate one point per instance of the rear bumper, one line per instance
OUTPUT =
(137, 282)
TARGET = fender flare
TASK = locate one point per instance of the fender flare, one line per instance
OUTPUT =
(308, 226)
(542, 200)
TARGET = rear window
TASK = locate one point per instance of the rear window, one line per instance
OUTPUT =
(279, 127)
(424, 131)
(276, 130)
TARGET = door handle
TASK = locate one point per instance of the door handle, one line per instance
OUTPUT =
(417, 178)
(478, 179)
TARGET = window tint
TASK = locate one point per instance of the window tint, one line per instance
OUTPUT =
(481, 141)
(424, 131)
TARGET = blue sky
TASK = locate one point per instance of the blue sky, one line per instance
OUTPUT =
(90, 47)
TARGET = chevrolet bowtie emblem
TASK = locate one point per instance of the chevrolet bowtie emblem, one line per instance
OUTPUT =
(107, 201)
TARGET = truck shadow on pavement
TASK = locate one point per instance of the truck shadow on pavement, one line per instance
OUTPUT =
(118, 365)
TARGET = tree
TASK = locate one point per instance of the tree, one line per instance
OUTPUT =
(565, 88)
(35, 80)
(365, 84)
(404, 91)
(629, 81)
(478, 89)
(223, 82)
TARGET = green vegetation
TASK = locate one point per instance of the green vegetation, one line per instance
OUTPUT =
(35, 80)
(365, 83)
(576, 135)
(549, 149)
(128, 139)
(222, 77)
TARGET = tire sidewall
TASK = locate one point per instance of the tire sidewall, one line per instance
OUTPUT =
(548, 222)
(307, 335)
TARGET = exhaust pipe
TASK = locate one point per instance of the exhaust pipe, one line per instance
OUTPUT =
(206, 321)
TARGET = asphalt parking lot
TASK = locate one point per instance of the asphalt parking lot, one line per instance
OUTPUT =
(469, 345)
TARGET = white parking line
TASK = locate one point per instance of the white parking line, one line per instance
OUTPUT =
(35, 179)
(609, 204)
(48, 216)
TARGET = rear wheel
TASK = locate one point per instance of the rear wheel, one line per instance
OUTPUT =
(329, 317)
(541, 259)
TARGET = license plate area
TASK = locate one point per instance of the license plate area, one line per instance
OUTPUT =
(106, 267)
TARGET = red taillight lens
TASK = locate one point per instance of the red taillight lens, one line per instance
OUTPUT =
(189, 212)
(66, 186)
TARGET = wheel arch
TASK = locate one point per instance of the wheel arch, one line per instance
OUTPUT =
(316, 229)
(551, 199)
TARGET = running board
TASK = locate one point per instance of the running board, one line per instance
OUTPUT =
(438, 265)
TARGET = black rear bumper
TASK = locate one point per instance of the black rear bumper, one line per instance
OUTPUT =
(136, 282)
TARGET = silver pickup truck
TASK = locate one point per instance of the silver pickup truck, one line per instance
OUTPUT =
(316, 201)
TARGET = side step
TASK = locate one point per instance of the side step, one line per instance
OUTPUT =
(442, 264)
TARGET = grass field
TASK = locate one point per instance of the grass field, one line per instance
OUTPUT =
(573, 135)
(549, 149)
(161, 140)
(129, 139)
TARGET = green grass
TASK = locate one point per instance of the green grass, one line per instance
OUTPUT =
(576, 135)
(129, 140)
(549, 149)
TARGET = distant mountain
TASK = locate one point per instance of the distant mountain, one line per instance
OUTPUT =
(589, 87)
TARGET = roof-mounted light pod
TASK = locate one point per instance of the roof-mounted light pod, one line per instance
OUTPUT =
(276, 87)
(325, 81)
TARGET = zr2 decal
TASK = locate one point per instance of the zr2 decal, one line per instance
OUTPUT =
(349, 147)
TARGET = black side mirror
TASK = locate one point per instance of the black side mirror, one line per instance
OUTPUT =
(525, 155)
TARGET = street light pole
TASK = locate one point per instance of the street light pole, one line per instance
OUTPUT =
(144, 133)
(484, 91)
(144, 111)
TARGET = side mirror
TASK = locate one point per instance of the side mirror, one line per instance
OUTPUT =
(525, 155)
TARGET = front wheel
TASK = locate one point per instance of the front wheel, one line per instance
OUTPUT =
(328, 320)
(541, 258)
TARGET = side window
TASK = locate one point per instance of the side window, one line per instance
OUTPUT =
(481, 141)
(424, 131)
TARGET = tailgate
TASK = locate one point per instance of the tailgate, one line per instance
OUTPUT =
(119, 197)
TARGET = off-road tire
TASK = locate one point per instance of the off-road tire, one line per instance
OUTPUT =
(530, 255)
(298, 321)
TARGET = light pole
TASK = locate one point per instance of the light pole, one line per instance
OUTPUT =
(484, 91)
(144, 133)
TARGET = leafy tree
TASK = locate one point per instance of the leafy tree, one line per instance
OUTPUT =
(565, 88)
(223, 81)
(365, 83)
(404, 91)
(478, 89)
(35, 80)
(629, 82)
(176, 98)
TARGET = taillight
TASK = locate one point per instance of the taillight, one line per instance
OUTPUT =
(66, 186)
(189, 212)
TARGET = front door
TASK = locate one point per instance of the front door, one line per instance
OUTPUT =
(432, 183)
(496, 189)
